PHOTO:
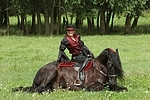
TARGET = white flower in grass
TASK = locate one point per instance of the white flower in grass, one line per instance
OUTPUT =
(146, 92)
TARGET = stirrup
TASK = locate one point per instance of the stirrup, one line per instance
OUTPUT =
(77, 82)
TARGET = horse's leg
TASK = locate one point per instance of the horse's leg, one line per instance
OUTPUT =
(33, 88)
(61, 80)
(65, 79)
(117, 88)
(95, 86)
(48, 79)
(113, 85)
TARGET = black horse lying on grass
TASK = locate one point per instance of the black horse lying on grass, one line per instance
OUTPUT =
(100, 73)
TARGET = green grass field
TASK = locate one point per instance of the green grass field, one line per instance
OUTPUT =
(21, 57)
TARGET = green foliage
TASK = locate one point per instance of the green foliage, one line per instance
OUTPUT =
(21, 57)
(133, 7)
(79, 9)
(20, 6)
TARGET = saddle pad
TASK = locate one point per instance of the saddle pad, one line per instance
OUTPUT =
(66, 64)
(88, 66)
(71, 64)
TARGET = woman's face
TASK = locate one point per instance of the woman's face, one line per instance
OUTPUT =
(70, 33)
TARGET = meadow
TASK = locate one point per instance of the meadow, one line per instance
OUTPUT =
(21, 57)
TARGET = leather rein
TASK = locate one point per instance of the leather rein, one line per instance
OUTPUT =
(103, 73)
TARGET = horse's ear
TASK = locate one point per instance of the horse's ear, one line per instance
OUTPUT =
(117, 51)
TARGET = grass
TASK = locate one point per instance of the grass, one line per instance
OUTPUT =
(21, 57)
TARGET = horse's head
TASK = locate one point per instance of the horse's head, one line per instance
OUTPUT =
(111, 60)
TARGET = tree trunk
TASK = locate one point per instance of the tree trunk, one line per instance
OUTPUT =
(89, 26)
(46, 18)
(112, 21)
(58, 30)
(39, 23)
(26, 26)
(5, 19)
(92, 25)
(33, 24)
(55, 20)
(102, 22)
(64, 25)
(71, 20)
(79, 21)
(52, 19)
(19, 23)
(1, 19)
(127, 25)
(134, 24)
(8, 26)
(22, 23)
(109, 12)
(98, 17)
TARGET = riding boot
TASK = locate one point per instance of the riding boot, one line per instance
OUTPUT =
(78, 81)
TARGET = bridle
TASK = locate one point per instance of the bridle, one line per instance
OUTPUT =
(103, 73)
(109, 65)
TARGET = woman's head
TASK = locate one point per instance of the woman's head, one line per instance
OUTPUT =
(70, 30)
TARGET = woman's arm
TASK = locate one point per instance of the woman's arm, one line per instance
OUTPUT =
(62, 55)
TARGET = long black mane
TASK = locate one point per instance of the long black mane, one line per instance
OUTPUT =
(109, 54)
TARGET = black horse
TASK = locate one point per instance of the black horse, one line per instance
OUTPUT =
(104, 72)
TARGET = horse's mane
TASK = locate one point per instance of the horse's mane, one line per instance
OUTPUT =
(109, 53)
(117, 63)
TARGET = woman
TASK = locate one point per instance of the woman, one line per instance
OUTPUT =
(80, 52)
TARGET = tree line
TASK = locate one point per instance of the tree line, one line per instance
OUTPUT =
(99, 15)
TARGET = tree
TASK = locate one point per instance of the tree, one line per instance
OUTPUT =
(132, 9)
(53, 10)
(3, 13)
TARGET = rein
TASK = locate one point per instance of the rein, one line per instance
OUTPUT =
(100, 71)
(103, 73)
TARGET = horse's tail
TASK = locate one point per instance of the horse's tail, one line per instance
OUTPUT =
(21, 88)
(30, 89)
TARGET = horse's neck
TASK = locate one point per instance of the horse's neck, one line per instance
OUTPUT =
(99, 65)
(102, 59)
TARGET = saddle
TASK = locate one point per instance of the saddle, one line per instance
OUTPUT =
(79, 68)
(76, 65)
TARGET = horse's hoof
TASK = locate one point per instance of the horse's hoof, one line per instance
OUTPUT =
(122, 89)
